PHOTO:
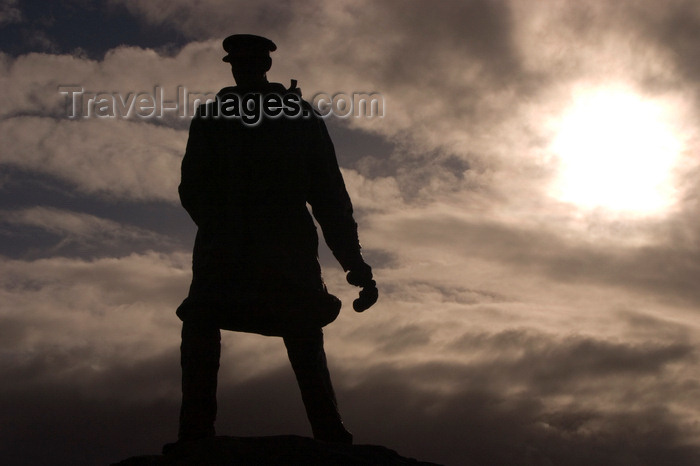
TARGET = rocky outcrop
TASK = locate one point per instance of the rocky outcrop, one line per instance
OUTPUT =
(278, 450)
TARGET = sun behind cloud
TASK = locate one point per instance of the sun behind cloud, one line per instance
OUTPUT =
(617, 151)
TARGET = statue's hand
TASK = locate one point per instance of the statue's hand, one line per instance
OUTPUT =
(361, 275)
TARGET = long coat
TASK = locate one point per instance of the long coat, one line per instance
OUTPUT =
(255, 261)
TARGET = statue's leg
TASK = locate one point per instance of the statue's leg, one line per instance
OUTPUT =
(199, 359)
(309, 363)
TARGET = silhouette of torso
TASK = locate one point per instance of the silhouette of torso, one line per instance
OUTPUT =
(255, 265)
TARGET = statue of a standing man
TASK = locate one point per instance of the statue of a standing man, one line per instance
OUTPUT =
(254, 160)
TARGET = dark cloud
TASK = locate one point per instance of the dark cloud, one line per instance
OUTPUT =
(674, 29)
(379, 259)
(160, 224)
(60, 426)
(80, 234)
(444, 293)
(12, 332)
(491, 424)
(408, 336)
(78, 27)
(369, 154)
(545, 365)
(9, 13)
(500, 411)
(666, 271)
(478, 30)
(646, 326)
(214, 19)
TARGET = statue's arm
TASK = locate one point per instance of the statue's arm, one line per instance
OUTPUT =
(333, 209)
(198, 193)
(330, 202)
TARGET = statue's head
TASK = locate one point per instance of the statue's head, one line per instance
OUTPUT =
(249, 56)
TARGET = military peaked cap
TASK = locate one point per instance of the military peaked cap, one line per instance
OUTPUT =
(246, 45)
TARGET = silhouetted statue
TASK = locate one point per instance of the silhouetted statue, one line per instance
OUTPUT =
(254, 159)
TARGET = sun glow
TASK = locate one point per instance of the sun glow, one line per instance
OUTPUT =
(616, 151)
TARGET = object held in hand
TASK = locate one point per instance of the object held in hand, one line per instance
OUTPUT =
(368, 296)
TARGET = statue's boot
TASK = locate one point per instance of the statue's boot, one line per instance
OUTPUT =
(309, 363)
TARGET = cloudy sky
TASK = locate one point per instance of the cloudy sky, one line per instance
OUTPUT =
(528, 201)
